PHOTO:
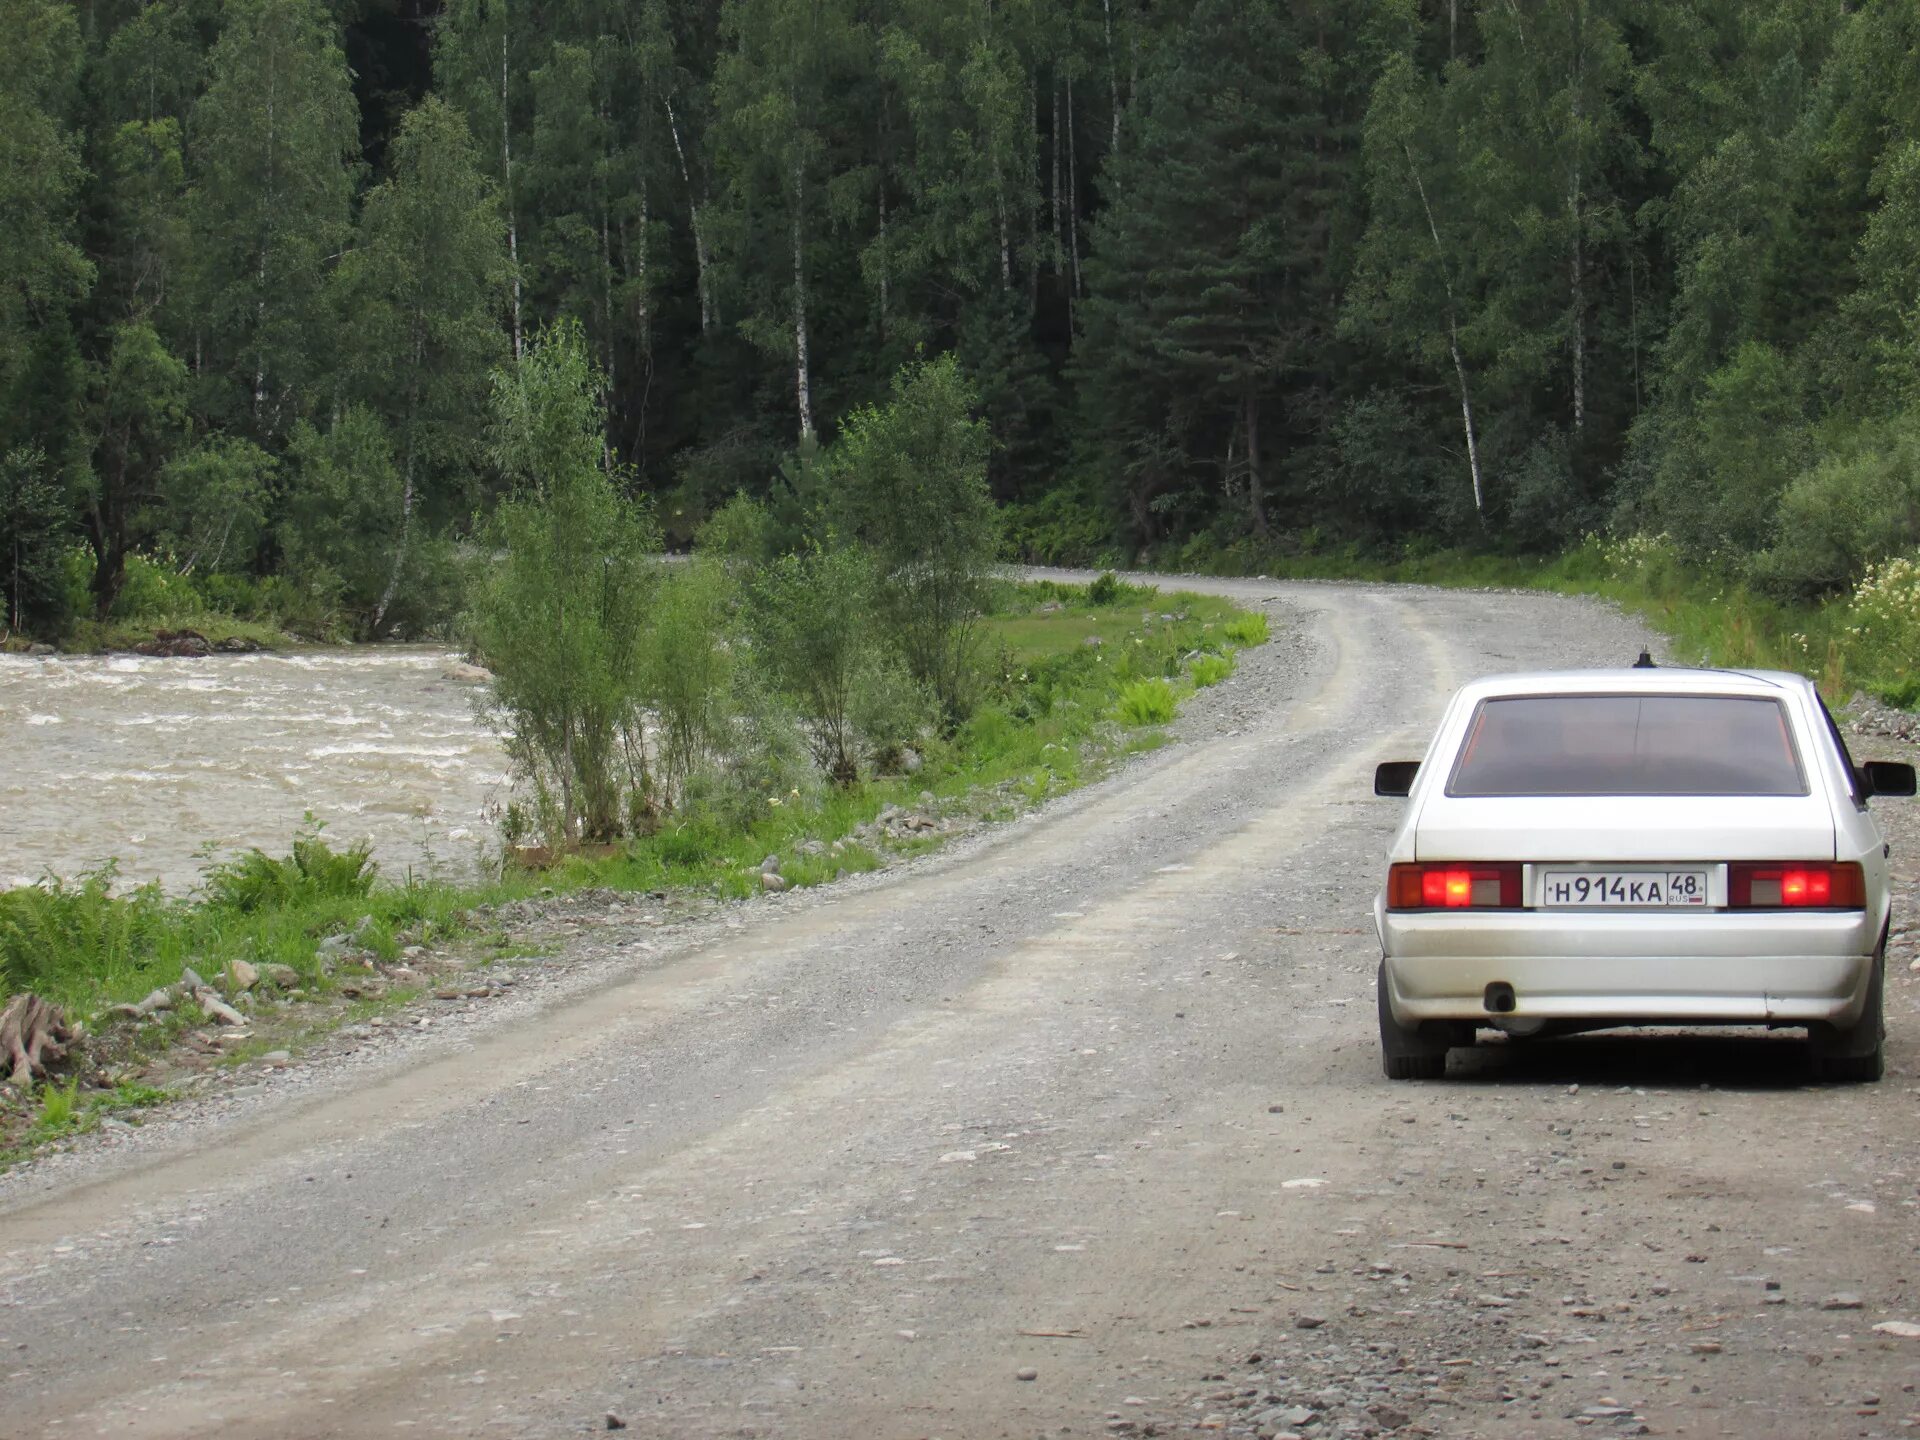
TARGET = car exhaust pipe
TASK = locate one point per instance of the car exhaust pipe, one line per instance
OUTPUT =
(1499, 998)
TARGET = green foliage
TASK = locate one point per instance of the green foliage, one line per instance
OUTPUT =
(1246, 630)
(561, 619)
(215, 500)
(255, 881)
(1146, 702)
(693, 669)
(1227, 282)
(424, 288)
(1104, 590)
(42, 267)
(278, 133)
(1847, 513)
(815, 634)
(58, 930)
(1718, 488)
(1211, 670)
(345, 550)
(33, 530)
(59, 1107)
(910, 482)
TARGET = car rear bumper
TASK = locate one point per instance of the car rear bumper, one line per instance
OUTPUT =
(1715, 968)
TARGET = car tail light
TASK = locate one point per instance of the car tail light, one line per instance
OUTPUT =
(1453, 887)
(1796, 885)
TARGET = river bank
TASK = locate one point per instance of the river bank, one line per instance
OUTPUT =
(268, 952)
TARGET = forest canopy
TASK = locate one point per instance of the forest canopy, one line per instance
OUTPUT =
(1228, 277)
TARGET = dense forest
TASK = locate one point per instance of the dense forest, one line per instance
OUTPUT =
(1229, 277)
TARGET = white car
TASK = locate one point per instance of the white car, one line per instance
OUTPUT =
(1643, 846)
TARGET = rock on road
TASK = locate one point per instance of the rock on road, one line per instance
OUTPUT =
(1076, 1128)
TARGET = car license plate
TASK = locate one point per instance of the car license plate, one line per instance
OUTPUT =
(1644, 889)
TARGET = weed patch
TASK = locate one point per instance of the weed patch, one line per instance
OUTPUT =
(1147, 702)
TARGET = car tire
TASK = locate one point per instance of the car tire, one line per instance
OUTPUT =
(1856, 1054)
(1406, 1054)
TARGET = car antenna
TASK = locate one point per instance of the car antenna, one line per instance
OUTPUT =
(1645, 662)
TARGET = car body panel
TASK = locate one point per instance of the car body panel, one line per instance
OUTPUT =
(1661, 966)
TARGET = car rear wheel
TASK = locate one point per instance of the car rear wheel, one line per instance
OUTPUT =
(1406, 1054)
(1855, 1054)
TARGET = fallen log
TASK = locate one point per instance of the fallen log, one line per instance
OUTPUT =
(34, 1036)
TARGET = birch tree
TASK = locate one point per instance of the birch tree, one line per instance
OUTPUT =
(274, 138)
(422, 292)
(782, 138)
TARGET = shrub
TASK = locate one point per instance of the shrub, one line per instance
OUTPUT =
(1211, 670)
(813, 620)
(691, 669)
(344, 544)
(1883, 620)
(1147, 702)
(1245, 630)
(561, 618)
(910, 480)
(60, 932)
(153, 590)
(256, 881)
(1105, 590)
(1844, 514)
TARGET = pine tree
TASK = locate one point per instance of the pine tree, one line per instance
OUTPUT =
(1201, 268)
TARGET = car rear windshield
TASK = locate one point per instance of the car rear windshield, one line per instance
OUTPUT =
(1628, 745)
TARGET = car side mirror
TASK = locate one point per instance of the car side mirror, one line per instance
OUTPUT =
(1395, 777)
(1886, 777)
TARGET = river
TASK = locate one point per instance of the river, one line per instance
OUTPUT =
(153, 761)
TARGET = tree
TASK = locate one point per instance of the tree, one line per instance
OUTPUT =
(43, 272)
(1205, 270)
(274, 138)
(777, 97)
(340, 544)
(911, 483)
(422, 293)
(561, 619)
(138, 414)
(33, 524)
(214, 504)
(816, 634)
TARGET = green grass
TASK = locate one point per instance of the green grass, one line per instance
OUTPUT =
(1706, 619)
(61, 1111)
(1211, 670)
(1147, 702)
(96, 636)
(1053, 711)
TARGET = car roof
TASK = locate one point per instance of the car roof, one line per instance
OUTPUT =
(1636, 680)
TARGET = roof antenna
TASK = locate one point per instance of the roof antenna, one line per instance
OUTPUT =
(1645, 662)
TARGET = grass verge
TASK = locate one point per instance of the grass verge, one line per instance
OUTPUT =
(1069, 685)
(1707, 619)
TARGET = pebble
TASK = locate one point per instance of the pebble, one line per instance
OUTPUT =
(1028, 1373)
(1845, 1300)
(1308, 1322)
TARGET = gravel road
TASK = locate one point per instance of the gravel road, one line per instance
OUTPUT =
(1075, 1128)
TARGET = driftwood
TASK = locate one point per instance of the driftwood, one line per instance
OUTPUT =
(34, 1036)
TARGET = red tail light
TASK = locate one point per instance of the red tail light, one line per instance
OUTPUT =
(1776, 885)
(1453, 887)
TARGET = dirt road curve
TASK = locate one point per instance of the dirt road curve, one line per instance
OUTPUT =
(1076, 1130)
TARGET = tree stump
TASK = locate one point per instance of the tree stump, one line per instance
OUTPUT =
(34, 1036)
